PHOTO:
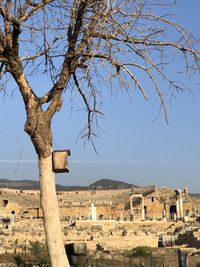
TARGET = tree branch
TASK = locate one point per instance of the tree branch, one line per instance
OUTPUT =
(23, 16)
(74, 32)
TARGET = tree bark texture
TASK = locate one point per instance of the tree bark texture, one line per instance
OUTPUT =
(49, 203)
(39, 129)
(38, 126)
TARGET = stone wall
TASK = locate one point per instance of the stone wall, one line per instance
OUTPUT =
(109, 233)
(190, 238)
(81, 211)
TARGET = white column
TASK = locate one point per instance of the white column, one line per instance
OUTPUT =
(181, 206)
(142, 209)
(177, 208)
(12, 218)
(131, 205)
(164, 213)
(92, 212)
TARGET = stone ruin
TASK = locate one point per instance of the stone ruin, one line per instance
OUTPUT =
(145, 218)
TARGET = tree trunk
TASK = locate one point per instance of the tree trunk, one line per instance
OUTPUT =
(38, 126)
(49, 203)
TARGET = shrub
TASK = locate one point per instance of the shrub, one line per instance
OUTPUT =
(20, 262)
(38, 257)
(141, 251)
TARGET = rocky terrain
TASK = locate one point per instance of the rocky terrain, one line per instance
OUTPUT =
(105, 238)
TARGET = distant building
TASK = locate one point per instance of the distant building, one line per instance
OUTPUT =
(158, 204)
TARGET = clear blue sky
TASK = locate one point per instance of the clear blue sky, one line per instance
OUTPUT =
(132, 147)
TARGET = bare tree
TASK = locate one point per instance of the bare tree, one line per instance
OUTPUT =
(83, 46)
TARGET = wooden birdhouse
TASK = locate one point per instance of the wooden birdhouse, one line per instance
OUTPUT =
(60, 162)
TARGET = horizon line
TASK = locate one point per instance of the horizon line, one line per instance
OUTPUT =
(110, 161)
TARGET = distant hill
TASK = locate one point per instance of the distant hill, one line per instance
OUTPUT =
(110, 184)
(34, 185)
(19, 184)
(194, 195)
(100, 184)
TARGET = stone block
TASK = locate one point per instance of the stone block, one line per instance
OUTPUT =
(99, 247)
(124, 232)
(78, 260)
(80, 248)
(10, 250)
(97, 228)
(2, 250)
(18, 250)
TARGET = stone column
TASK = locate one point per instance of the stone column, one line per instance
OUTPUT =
(177, 207)
(131, 209)
(165, 211)
(142, 209)
(92, 212)
(181, 206)
(12, 218)
(131, 205)
(110, 210)
(164, 214)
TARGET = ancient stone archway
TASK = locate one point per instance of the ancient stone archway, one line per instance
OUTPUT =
(172, 210)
